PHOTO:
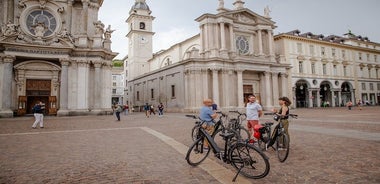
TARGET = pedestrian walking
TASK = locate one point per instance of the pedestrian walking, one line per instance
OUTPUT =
(349, 105)
(38, 115)
(147, 110)
(126, 109)
(152, 110)
(118, 109)
(160, 110)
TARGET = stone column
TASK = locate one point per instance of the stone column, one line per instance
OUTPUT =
(270, 42)
(284, 84)
(240, 88)
(310, 98)
(215, 86)
(226, 88)
(232, 42)
(294, 97)
(85, 15)
(332, 98)
(83, 72)
(64, 89)
(268, 96)
(6, 110)
(205, 84)
(275, 90)
(69, 15)
(97, 86)
(187, 89)
(318, 98)
(340, 98)
(192, 90)
(260, 40)
(223, 36)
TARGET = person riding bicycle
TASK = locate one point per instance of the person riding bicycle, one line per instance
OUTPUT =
(284, 102)
(207, 115)
(254, 111)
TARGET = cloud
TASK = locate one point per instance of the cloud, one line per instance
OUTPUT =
(164, 40)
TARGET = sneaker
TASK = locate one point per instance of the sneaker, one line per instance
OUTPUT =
(41, 127)
(34, 127)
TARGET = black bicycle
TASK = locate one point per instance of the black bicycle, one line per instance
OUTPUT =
(279, 139)
(236, 124)
(249, 160)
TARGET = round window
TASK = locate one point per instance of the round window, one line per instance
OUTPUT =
(41, 23)
(242, 45)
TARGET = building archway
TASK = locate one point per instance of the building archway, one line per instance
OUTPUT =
(302, 94)
(325, 94)
(346, 92)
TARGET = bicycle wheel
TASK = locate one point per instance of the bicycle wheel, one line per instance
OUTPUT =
(194, 132)
(244, 133)
(250, 161)
(196, 154)
(282, 147)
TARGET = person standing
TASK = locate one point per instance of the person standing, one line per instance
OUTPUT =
(152, 110)
(207, 115)
(38, 115)
(126, 109)
(160, 110)
(349, 105)
(147, 109)
(284, 102)
(254, 111)
(118, 109)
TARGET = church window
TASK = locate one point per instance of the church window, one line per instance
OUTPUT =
(142, 25)
(152, 93)
(324, 69)
(360, 56)
(371, 86)
(345, 71)
(333, 52)
(300, 67)
(368, 57)
(343, 53)
(41, 23)
(114, 84)
(114, 91)
(363, 86)
(335, 70)
(242, 45)
(322, 51)
(313, 68)
(138, 95)
(173, 91)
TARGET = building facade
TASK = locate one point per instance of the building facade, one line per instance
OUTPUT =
(330, 70)
(232, 57)
(118, 85)
(57, 52)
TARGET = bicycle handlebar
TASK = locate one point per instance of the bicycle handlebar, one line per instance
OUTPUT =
(289, 115)
(191, 116)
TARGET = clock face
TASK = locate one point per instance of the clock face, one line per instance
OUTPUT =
(41, 18)
(242, 45)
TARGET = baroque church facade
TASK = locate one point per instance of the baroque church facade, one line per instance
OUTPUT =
(57, 52)
(232, 57)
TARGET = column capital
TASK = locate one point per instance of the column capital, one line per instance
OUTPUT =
(282, 74)
(9, 58)
(97, 64)
(240, 70)
(64, 61)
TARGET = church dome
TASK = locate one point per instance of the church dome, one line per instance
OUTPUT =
(140, 5)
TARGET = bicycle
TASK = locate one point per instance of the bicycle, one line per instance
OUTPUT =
(236, 124)
(218, 127)
(279, 137)
(246, 159)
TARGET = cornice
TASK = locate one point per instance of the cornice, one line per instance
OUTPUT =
(323, 42)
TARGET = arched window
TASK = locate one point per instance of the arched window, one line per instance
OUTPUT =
(142, 25)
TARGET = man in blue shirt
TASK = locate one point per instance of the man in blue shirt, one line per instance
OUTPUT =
(208, 115)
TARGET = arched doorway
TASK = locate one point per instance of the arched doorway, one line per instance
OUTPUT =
(37, 80)
(346, 91)
(325, 94)
(301, 93)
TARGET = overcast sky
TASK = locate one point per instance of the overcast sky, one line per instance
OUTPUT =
(175, 18)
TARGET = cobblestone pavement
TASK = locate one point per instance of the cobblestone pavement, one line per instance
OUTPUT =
(332, 145)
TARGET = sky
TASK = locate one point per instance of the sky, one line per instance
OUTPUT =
(175, 19)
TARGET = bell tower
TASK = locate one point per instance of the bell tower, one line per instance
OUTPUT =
(140, 47)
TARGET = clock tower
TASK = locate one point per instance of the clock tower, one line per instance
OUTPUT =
(140, 48)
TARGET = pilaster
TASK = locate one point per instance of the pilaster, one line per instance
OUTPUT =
(6, 110)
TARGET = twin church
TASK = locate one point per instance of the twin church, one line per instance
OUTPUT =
(232, 57)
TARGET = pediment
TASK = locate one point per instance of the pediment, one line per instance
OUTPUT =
(249, 17)
(37, 65)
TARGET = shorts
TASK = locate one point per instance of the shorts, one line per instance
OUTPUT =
(252, 123)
